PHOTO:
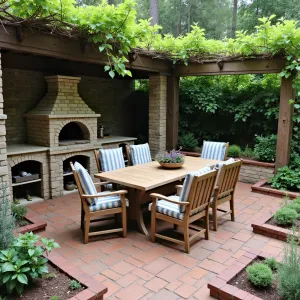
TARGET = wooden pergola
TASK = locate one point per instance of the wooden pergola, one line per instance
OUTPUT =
(163, 75)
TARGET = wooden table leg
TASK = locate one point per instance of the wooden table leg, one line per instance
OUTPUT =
(139, 212)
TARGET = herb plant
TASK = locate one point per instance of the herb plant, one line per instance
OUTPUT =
(75, 285)
(24, 261)
(19, 211)
(272, 263)
(285, 216)
(260, 275)
(286, 178)
(289, 270)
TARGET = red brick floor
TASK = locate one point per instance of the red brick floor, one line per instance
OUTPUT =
(135, 268)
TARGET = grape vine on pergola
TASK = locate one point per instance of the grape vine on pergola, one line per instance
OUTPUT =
(162, 73)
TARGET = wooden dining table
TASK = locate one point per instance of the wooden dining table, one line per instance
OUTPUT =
(142, 180)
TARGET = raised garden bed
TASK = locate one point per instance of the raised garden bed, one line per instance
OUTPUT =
(93, 289)
(33, 225)
(263, 188)
(265, 226)
(222, 288)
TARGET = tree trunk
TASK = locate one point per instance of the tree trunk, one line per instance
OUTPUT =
(189, 15)
(234, 17)
(154, 12)
(111, 2)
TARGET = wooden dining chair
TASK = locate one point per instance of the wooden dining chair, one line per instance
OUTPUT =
(214, 150)
(96, 204)
(224, 190)
(138, 154)
(192, 205)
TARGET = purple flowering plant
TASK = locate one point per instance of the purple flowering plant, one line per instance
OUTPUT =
(173, 156)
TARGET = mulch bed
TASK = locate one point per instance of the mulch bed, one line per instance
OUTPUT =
(21, 223)
(242, 282)
(44, 289)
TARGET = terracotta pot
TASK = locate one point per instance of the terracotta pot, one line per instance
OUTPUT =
(171, 165)
(70, 186)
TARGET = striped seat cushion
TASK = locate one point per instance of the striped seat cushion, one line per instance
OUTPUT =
(111, 159)
(140, 154)
(186, 188)
(170, 209)
(107, 202)
(85, 181)
(213, 150)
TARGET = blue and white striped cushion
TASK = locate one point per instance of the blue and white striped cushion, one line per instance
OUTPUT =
(85, 181)
(188, 184)
(111, 159)
(170, 209)
(219, 166)
(213, 150)
(107, 202)
(140, 154)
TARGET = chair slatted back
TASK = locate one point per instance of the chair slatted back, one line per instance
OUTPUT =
(201, 191)
(228, 178)
(98, 163)
(77, 181)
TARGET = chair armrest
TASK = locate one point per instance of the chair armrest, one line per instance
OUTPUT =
(101, 183)
(159, 196)
(121, 192)
(178, 189)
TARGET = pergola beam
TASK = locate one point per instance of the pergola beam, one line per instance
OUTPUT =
(40, 43)
(253, 66)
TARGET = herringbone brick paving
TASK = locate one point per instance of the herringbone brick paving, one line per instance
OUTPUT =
(135, 268)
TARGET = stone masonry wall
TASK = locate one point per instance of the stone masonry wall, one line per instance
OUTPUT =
(4, 180)
(157, 113)
(24, 89)
(252, 171)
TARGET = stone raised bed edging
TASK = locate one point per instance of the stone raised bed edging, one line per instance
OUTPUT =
(94, 289)
(276, 232)
(219, 287)
(35, 226)
(260, 188)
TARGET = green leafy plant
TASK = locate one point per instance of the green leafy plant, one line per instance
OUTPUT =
(49, 276)
(286, 179)
(234, 151)
(289, 270)
(295, 206)
(260, 275)
(248, 152)
(7, 221)
(272, 263)
(265, 148)
(75, 285)
(188, 141)
(24, 261)
(22, 223)
(285, 216)
(54, 298)
(19, 211)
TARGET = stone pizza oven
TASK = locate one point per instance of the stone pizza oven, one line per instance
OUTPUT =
(61, 118)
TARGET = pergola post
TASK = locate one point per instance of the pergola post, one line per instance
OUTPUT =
(157, 113)
(172, 112)
(285, 123)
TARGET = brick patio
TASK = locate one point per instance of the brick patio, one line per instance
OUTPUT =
(135, 268)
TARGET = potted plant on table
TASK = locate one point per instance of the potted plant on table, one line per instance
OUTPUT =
(171, 160)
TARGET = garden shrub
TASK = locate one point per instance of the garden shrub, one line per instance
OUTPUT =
(289, 271)
(7, 221)
(23, 261)
(248, 152)
(272, 263)
(286, 179)
(260, 275)
(234, 151)
(19, 211)
(295, 206)
(285, 216)
(188, 142)
(265, 148)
